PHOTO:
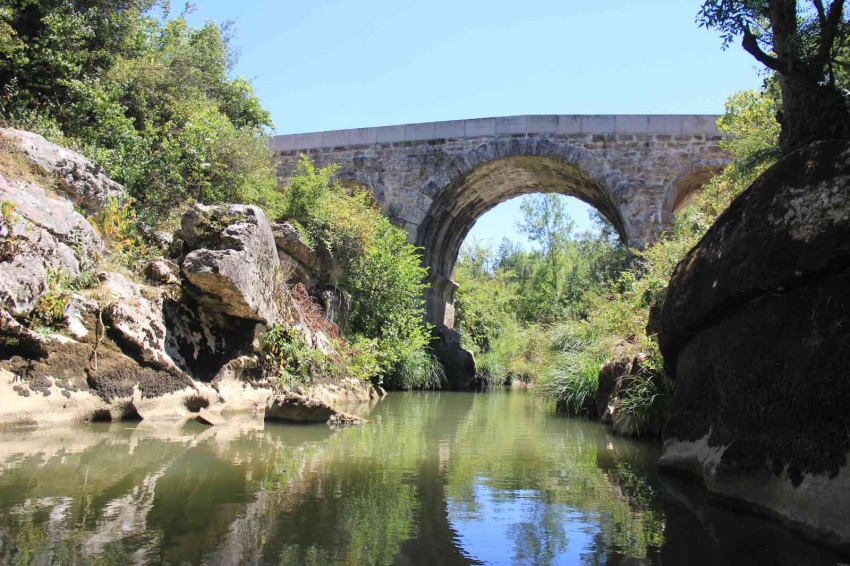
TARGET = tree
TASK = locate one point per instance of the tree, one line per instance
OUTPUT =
(546, 222)
(801, 43)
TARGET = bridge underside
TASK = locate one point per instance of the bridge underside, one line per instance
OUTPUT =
(455, 211)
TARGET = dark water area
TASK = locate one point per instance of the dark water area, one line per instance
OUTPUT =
(433, 479)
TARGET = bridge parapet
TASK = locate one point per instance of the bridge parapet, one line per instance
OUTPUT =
(604, 124)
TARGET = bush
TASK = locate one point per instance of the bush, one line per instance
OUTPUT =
(288, 357)
(572, 381)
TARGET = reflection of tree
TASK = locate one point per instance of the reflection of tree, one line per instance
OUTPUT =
(539, 539)
(506, 443)
(384, 493)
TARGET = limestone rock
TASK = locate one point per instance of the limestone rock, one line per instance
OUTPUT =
(209, 418)
(45, 233)
(135, 318)
(234, 260)
(296, 408)
(85, 183)
(162, 271)
(288, 240)
(754, 330)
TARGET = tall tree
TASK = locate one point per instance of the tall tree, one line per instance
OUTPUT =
(800, 42)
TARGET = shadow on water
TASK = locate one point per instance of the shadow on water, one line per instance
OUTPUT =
(434, 478)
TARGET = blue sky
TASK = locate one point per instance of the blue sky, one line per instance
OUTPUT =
(326, 65)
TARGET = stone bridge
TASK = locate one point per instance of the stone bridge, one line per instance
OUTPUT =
(436, 179)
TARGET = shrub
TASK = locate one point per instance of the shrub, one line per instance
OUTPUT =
(148, 99)
(288, 357)
(118, 225)
(49, 310)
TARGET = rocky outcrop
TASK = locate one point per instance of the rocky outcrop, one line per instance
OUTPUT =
(233, 260)
(754, 330)
(185, 341)
(81, 181)
(40, 234)
(459, 364)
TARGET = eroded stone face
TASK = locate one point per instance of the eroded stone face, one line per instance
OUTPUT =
(755, 330)
(437, 187)
(233, 261)
(82, 182)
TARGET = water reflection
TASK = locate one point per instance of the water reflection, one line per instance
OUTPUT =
(436, 478)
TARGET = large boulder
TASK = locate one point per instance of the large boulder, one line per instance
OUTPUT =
(79, 179)
(39, 234)
(232, 259)
(755, 330)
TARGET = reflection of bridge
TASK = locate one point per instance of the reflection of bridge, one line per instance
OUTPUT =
(436, 179)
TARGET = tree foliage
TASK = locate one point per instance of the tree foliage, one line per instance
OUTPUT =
(148, 98)
(805, 43)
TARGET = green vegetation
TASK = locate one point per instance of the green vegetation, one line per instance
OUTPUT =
(147, 98)
(380, 271)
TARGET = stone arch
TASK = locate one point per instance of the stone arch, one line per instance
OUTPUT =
(680, 193)
(470, 184)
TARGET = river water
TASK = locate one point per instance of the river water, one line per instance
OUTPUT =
(433, 479)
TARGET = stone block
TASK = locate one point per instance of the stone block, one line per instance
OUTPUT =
(450, 129)
(631, 124)
(541, 124)
(390, 134)
(283, 143)
(510, 125)
(480, 127)
(600, 124)
(663, 124)
(335, 138)
(307, 141)
(414, 132)
(699, 125)
(363, 136)
(569, 124)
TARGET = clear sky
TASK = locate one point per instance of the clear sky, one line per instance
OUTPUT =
(325, 65)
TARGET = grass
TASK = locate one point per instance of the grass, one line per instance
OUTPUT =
(572, 380)
(419, 370)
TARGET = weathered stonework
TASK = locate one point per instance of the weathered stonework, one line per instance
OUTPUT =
(436, 179)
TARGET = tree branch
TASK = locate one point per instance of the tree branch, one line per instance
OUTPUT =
(829, 28)
(821, 14)
(751, 46)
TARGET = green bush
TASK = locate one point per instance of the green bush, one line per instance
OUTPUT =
(572, 380)
(288, 357)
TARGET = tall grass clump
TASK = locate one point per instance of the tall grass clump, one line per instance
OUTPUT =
(417, 370)
(571, 380)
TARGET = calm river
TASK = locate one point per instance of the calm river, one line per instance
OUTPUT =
(434, 479)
